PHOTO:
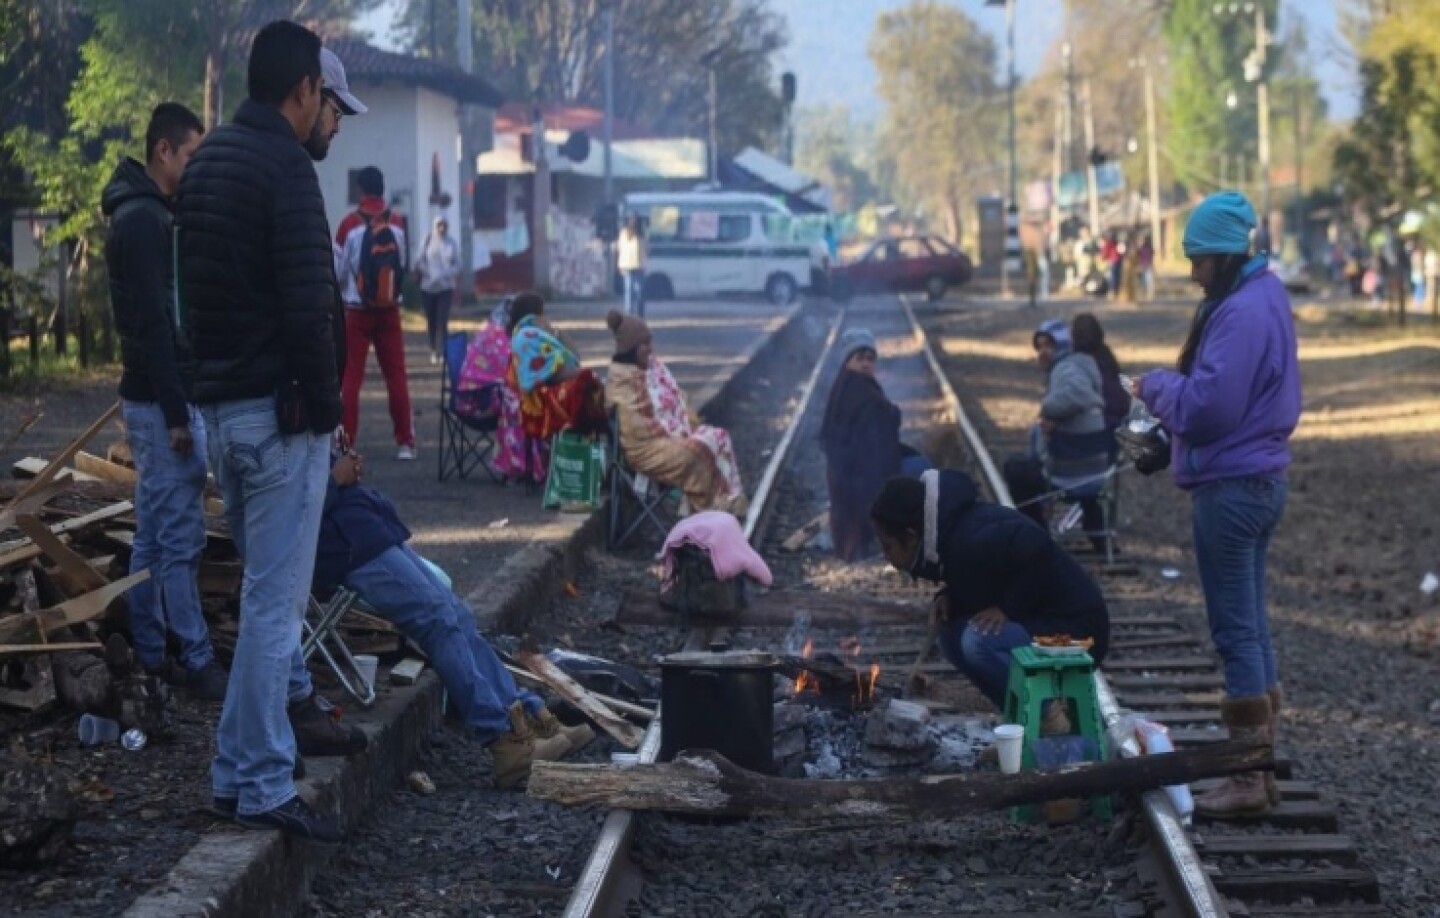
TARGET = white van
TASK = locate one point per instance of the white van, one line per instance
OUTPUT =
(707, 243)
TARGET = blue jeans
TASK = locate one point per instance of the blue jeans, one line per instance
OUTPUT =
(635, 293)
(405, 592)
(274, 489)
(984, 659)
(169, 538)
(1233, 521)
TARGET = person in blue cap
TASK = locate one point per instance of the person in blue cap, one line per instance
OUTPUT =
(1231, 405)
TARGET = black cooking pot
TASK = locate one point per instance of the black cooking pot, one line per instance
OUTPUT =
(720, 701)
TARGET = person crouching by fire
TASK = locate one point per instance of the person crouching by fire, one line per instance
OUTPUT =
(1006, 582)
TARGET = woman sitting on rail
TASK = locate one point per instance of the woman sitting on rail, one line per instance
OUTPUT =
(486, 369)
(556, 392)
(1005, 580)
(861, 438)
(656, 431)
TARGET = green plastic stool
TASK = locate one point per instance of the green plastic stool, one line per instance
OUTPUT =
(1036, 678)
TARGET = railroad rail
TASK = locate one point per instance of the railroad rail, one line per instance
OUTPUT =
(1178, 692)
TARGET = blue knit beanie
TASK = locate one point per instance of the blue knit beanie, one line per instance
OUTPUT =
(1056, 330)
(1223, 224)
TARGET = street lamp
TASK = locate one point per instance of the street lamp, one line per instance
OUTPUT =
(1012, 211)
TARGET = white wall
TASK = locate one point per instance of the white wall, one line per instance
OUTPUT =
(437, 131)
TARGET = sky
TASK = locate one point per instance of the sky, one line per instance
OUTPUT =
(828, 38)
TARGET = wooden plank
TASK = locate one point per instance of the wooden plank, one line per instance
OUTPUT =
(1141, 700)
(39, 671)
(1198, 736)
(1158, 664)
(49, 648)
(105, 470)
(626, 733)
(1289, 790)
(71, 612)
(1149, 643)
(53, 467)
(79, 577)
(19, 555)
(1305, 815)
(619, 704)
(1338, 849)
(75, 524)
(1338, 884)
(1155, 683)
(31, 466)
(1182, 718)
(1143, 621)
(1349, 910)
(779, 609)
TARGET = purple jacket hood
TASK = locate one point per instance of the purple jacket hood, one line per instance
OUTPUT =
(1233, 415)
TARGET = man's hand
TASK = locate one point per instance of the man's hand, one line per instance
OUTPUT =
(181, 441)
(940, 609)
(347, 470)
(989, 622)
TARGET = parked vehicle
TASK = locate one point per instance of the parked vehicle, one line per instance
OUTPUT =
(913, 263)
(710, 243)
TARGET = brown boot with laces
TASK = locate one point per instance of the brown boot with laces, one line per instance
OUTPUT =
(1243, 794)
(546, 724)
(516, 751)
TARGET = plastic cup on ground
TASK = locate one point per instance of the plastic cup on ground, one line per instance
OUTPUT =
(1009, 740)
(95, 731)
(368, 666)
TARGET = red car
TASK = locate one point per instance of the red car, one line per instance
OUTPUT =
(913, 263)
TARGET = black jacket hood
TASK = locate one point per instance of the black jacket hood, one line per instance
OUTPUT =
(129, 182)
(949, 495)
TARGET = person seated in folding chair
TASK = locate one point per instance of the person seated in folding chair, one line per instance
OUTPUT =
(556, 392)
(657, 434)
(1070, 447)
(487, 366)
(363, 546)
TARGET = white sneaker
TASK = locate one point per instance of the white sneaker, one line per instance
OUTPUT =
(405, 453)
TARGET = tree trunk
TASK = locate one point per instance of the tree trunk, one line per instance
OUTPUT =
(706, 783)
(214, 77)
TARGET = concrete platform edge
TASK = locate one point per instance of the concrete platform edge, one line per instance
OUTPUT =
(236, 874)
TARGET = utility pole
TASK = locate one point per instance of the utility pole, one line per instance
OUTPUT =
(1300, 177)
(1152, 143)
(1012, 207)
(1091, 179)
(608, 128)
(465, 57)
(1056, 167)
(1068, 59)
(714, 100)
(1262, 98)
(540, 205)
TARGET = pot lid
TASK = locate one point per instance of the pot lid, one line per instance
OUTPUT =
(729, 659)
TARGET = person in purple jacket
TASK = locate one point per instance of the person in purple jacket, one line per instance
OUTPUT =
(1231, 406)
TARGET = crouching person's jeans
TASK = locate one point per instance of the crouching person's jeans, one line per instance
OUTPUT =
(983, 658)
(274, 490)
(1233, 521)
(404, 591)
(169, 538)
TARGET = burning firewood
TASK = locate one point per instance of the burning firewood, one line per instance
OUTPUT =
(705, 783)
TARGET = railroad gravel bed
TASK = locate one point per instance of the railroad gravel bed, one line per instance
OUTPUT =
(1355, 636)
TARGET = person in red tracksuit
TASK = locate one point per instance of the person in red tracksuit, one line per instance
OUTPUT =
(364, 325)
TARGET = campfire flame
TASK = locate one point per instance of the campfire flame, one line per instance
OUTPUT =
(864, 683)
(807, 682)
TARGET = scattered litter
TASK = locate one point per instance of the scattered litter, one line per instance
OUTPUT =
(572, 590)
(553, 872)
(1429, 584)
(507, 816)
(420, 783)
(134, 739)
(96, 731)
(498, 524)
(1170, 573)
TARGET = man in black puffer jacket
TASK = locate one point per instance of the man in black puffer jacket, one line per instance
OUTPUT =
(257, 287)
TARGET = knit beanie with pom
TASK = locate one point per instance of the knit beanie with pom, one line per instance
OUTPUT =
(630, 331)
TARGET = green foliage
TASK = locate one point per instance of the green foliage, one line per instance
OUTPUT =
(831, 149)
(944, 112)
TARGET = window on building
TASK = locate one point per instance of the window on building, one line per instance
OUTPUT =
(489, 203)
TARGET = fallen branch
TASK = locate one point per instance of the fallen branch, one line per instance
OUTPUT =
(54, 465)
(706, 783)
(626, 733)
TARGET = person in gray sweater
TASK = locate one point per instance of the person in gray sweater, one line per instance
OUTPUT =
(1070, 444)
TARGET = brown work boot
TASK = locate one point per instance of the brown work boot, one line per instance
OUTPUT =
(1277, 702)
(1055, 719)
(546, 724)
(517, 750)
(319, 731)
(1243, 794)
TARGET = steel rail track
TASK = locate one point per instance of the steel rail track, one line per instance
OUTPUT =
(606, 880)
(1199, 897)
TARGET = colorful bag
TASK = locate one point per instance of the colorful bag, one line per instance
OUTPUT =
(577, 467)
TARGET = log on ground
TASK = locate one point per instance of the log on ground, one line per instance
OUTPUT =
(706, 783)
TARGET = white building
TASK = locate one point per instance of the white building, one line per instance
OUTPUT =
(411, 133)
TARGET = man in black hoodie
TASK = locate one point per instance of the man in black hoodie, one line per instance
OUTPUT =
(1005, 580)
(258, 292)
(166, 435)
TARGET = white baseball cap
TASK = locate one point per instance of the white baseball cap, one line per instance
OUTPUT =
(333, 73)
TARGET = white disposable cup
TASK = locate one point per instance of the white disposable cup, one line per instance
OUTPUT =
(625, 759)
(97, 730)
(1009, 740)
(368, 665)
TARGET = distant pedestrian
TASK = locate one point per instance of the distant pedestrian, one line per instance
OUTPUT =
(1113, 257)
(374, 257)
(1145, 257)
(439, 269)
(257, 299)
(165, 433)
(630, 261)
(1231, 406)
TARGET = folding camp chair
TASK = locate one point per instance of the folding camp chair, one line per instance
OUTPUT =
(468, 420)
(319, 632)
(628, 488)
(1106, 492)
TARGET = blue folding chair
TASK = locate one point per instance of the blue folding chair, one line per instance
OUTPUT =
(468, 420)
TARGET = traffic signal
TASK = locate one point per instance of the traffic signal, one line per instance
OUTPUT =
(607, 222)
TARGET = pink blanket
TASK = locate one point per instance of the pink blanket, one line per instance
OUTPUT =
(719, 534)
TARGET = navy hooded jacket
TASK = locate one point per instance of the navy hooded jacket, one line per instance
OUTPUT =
(359, 525)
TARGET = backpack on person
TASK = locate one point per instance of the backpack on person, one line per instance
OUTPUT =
(381, 274)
